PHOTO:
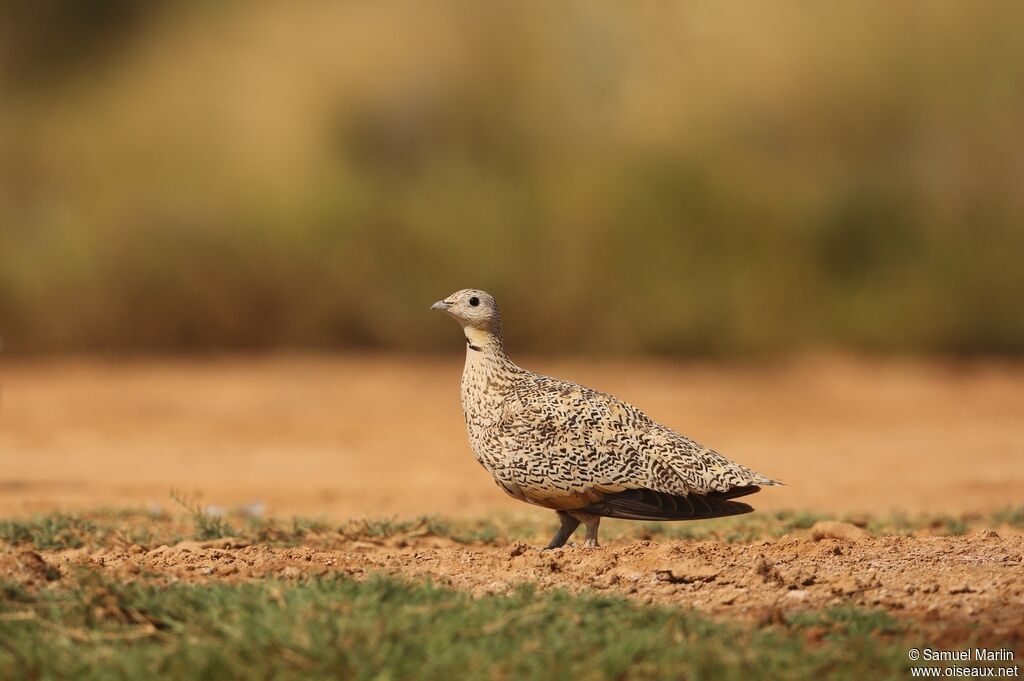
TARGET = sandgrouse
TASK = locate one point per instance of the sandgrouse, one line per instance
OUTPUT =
(578, 451)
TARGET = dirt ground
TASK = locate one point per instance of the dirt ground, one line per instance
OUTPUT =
(383, 436)
(959, 587)
(373, 436)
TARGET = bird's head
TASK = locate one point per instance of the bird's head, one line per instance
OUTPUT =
(473, 309)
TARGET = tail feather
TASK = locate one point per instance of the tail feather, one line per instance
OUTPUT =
(646, 504)
(736, 492)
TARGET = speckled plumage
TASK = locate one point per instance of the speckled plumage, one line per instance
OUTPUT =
(578, 451)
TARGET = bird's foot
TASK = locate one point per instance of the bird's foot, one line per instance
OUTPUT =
(569, 525)
(592, 522)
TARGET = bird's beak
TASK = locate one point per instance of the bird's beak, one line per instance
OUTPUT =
(442, 305)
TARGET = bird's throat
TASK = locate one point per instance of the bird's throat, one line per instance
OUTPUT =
(478, 340)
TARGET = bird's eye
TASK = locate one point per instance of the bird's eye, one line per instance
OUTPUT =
(474, 301)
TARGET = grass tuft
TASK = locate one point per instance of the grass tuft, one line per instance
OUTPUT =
(849, 621)
(206, 525)
(379, 628)
(460, 531)
(1011, 515)
(49, 532)
(123, 528)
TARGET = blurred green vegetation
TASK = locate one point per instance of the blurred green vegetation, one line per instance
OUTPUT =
(92, 626)
(709, 178)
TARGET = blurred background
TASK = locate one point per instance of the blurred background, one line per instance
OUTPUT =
(700, 178)
(792, 230)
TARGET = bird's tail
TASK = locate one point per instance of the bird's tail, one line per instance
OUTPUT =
(646, 504)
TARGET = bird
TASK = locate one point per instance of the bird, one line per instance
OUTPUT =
(584, 454)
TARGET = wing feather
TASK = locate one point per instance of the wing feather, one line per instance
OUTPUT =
(564, 446)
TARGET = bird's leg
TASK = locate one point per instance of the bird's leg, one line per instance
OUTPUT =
(569, 525)
(591, 522)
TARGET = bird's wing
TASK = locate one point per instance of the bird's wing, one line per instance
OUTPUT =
(566, 446)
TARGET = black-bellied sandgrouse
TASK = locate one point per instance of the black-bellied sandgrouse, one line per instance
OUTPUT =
(578, 451)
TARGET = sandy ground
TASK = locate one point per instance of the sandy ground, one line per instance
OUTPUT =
(374, 436)
(383, 436)
(960, 586)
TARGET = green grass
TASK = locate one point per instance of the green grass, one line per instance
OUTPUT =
(461, 531)
(849, 622)
(1011, 515)
(384, 629)
(94, 625)
(206, 524)
(771, 525)
(122, 528)
(54, 531)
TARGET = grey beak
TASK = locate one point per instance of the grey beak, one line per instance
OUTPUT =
(441, 305)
